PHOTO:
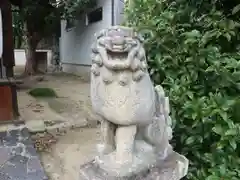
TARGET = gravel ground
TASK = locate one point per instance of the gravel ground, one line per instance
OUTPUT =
(73, 147)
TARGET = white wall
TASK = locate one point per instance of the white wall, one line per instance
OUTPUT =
(75, 44)
(20, 57)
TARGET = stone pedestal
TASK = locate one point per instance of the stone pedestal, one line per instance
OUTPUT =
(172, 168)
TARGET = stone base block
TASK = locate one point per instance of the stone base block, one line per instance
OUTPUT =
(172, 168)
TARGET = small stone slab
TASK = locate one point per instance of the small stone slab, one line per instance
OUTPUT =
(10, 81)
(169, 169)
(18, 157)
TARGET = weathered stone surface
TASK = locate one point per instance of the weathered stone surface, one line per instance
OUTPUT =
(35, 126)
(135, 121)
(18, 157)
(164, 170)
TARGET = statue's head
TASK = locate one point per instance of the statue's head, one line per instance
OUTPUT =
(118, 39)
(119, 49)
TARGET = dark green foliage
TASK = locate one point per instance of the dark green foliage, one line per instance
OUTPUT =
(35, 20)
(17, 29)
(42, 92)
(193, 49)
(42, 17)
(72, 9)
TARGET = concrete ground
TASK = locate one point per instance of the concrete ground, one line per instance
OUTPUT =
(73, 102)
(18, 157)
(72, 150)
(68, 118)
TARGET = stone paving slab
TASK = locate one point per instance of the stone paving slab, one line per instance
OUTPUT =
(18, 157)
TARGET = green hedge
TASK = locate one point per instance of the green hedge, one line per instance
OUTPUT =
(193, 51)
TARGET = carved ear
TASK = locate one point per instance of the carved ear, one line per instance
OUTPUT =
(94, 48)
(100, 34)
(101, 42)
(97, 60)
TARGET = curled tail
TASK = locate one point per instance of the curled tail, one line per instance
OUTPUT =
(159, 132)
(163, 109)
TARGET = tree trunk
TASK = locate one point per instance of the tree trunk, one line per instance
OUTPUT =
(8, 52)
(31, 65)
(31, 42)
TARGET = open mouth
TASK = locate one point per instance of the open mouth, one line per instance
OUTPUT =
(117, 47)
(117, 55)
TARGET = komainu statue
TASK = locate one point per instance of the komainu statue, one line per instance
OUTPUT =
(135, 124)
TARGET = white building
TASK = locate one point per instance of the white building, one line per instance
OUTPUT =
(77, 37)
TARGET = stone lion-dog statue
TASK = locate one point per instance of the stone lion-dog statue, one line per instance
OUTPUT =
(135, 121)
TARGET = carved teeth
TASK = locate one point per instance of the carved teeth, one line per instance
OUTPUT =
(117, 47)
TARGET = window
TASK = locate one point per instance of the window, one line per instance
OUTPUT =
(95, 16)
(70, 24)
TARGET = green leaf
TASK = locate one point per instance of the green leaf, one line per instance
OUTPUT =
(233, 144)
(190, 140)
(228, 36)
(220, 145)
(223, 115)
(210, 69)
(192, 34)
(194, 116)
(222, 169)
(212, 177)
(236, 9)
(218, 129)
(231, 132)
